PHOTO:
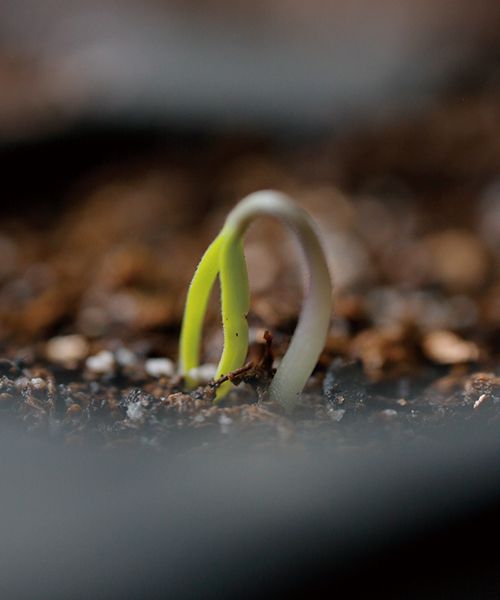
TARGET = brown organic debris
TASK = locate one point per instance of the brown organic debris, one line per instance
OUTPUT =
(447, 348)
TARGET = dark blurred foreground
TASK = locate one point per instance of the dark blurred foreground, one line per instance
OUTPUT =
(414, 521)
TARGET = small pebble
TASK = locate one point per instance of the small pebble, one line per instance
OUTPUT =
(135, 411)
(159, 367)
(125, 357)
(480, 401)
(203, 374)
(447, 348)
(38, 383)
(21, 382)
(102, 362)
(67, 348)
(481, 387)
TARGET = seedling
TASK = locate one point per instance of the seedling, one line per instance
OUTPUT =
(225, 258)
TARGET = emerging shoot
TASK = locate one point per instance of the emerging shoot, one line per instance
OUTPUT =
(225, 258)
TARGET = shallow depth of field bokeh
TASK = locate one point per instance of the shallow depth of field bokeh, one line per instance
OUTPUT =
(127, 135)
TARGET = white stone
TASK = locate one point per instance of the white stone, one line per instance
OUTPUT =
(203, 373)
(21, 382)
(125, 357)
(67, 348)
(159, 367)
(102, 362)
(38, 383)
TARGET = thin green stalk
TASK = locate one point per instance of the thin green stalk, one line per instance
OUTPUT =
(224, 257)
(196, 307)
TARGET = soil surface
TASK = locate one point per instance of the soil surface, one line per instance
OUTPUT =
(96, 263)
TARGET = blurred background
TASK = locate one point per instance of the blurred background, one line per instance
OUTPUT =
(224, 64)
(128, 129)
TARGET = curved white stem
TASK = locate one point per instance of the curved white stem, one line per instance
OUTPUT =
(310, 334)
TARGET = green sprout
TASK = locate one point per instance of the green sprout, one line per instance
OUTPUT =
(225, 258)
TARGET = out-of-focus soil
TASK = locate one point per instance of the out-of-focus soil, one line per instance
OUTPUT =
(93, 280)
